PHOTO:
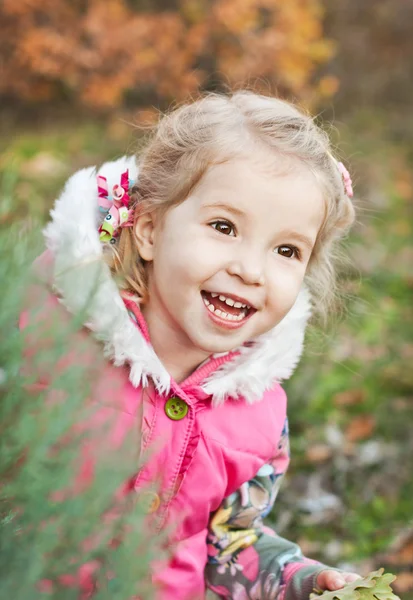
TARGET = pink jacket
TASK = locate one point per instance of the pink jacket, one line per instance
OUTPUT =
(233, 405)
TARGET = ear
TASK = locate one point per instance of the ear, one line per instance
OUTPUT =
(145, 234)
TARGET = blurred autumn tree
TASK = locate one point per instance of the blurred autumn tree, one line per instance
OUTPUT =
(99, 53)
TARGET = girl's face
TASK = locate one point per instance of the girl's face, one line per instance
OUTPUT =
(227, 264)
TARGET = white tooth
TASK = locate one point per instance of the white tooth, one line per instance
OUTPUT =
(222, 298)
(211, 308)
(218, 312)
(233, 317)
(243, 306)
(224, 315)
(229, 301)
(238, 304)
(214, 295)
(206, 301)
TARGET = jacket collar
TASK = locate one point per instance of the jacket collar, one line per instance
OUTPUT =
(85, 286)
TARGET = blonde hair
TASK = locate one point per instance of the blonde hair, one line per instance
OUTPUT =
(216, 128)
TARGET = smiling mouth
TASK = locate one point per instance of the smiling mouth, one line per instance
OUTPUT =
(226, 307)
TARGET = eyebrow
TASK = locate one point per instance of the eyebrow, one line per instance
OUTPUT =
(299, 237)
(232, 209)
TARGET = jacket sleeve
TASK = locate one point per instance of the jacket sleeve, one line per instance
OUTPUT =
(249, 560)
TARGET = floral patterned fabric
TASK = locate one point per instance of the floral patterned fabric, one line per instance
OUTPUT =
(246, 560)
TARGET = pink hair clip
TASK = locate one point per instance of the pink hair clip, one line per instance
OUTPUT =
(348, 184)
(115, 207)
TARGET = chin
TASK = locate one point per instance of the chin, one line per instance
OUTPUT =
(212, 344)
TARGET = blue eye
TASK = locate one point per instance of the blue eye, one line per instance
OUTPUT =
(224, 227)
(288, 251)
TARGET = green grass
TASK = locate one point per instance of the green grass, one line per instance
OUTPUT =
(370, 350)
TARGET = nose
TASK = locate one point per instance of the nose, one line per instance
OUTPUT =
(248, 265)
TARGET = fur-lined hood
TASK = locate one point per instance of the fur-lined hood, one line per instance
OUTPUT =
(84, 283)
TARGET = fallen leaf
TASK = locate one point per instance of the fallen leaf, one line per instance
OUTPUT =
(360, 428)
(403, 583)
(375, 586)
(349, 397)
(318, 453)
(401, 550)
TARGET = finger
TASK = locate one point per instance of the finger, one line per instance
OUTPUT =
(330, 580)
(335, 581)
(349, 577)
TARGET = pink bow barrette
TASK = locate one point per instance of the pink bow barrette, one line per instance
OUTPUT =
(115, 207)
(348, 184)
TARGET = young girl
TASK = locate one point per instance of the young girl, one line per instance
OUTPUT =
(212, 252)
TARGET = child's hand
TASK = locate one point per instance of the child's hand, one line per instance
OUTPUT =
(330, 579)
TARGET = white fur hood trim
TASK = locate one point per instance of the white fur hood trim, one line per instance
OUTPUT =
(85, 286)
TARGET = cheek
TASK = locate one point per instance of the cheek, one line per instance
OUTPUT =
(283, 290)
(189, 258)
(175, 269)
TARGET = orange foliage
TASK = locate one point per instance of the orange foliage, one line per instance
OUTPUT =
(94, 51)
